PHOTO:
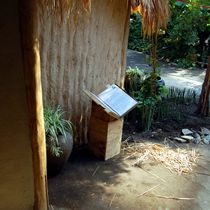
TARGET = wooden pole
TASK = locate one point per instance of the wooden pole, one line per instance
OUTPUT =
(31, 62)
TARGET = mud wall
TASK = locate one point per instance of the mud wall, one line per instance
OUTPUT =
(16, 174)
(88, 50)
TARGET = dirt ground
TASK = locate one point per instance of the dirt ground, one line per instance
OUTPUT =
(87, 183)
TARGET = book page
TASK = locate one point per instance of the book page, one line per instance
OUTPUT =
(100, 102)
(117, 99)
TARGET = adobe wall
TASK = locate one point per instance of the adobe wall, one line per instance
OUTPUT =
(87, 51)
(16, 175)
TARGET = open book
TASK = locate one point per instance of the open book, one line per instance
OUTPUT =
(114, 100)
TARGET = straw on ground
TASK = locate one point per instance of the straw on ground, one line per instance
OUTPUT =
(178, 160)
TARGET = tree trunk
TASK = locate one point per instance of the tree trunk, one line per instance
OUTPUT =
(203, 105)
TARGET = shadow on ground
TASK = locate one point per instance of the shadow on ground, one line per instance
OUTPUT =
(87, 183)
(84, 180)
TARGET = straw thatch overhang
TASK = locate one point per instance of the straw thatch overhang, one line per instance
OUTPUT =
(155, 13)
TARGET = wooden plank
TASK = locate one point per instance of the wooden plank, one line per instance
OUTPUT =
(99, 112)
(114, 138)
(97, 136)
(31, 61)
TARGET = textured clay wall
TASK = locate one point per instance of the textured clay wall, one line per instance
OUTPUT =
(86, 51)
(16, 175)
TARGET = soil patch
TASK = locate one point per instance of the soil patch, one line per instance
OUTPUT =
(91, 184)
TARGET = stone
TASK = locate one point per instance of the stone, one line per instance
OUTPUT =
(197, 138)
(188, 138)
(186, 131)
(207, 137)
(180, 140)
(205, 131)
(205, 141)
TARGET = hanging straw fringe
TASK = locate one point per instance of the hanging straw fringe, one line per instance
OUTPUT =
(63, 8)
(155, 14)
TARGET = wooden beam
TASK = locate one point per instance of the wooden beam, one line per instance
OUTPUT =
(31, 62)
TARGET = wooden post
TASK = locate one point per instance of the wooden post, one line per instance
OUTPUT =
(31, 62)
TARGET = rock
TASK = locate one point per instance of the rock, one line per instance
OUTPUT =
(186, 131)
(159, 130)
(205, 131)
(188, 138)
(197, 138)
(206, 141)
(180, 140)
(207, 137)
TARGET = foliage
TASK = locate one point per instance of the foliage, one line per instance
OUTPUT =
(136, 40)
(133, 79)
(55, 125)
(173, 104)
(183, 41)
(166, 103)
(143, 91)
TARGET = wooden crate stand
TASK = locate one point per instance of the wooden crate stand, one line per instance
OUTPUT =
(105, 133)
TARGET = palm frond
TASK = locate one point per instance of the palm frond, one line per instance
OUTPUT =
(155, 14)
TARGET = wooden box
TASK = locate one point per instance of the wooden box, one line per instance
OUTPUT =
(106, 123)
(105, 133)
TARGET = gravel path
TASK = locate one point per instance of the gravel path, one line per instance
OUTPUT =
(172, 75)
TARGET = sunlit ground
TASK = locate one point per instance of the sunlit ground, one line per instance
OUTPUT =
(90, 184)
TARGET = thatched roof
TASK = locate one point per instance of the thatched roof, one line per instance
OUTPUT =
(63, 8)
(154, 13)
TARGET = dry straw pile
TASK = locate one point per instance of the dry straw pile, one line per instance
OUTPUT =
(178, 160)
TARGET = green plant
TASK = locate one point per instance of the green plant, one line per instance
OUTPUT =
(135, 40)
(133, 79)
(147, 91)
(55, 125)
(176, 103)
(173, 103)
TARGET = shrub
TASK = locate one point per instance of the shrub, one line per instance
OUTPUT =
(165, 103)
(184, 40)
